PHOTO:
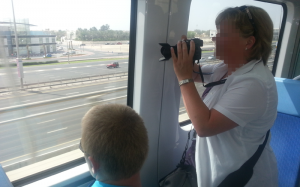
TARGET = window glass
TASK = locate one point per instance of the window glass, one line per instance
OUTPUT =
(41, 111)
(202, 25)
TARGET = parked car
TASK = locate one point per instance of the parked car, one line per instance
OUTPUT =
(212, 57)
(202, 59)
(72, 52)
(66, 53)
(119, 43)
(82, 45)
(107, 44)
(113, 65)
(47, 55)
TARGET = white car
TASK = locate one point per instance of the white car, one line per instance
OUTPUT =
(202, 59)
(212, 57)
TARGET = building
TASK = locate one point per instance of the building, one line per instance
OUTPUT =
(30, 42)
(212, 33)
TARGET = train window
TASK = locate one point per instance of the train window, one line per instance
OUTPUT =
(202, 25)
(71, 56)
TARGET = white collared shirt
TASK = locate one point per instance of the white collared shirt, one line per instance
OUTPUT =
(249, 98)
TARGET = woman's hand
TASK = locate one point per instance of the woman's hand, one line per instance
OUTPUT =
(183, 63)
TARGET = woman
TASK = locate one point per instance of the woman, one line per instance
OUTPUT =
(234, 117)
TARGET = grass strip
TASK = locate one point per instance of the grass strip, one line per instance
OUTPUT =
(94, 60)
(55, 62)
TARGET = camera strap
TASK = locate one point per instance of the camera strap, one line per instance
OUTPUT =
(222, 81)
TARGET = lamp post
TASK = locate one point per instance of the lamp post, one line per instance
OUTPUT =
(18, 60)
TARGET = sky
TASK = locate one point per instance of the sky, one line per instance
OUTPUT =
(72, 14)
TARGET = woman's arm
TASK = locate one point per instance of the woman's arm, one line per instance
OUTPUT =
(206, 122)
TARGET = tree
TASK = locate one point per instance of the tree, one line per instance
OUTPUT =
(59, 34)
(101, 35)
(71, 35)
(201, 32)
(104, 27)
(94, 29)
(191, 34)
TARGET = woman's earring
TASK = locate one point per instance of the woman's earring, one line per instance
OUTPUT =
(246, 49)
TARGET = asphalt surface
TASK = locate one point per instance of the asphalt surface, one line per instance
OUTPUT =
(40, 136)
(46, 73)
(48, 133)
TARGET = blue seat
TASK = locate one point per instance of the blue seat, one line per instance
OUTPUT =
(286, 132)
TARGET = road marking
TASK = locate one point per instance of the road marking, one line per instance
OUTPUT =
(87, 66)
(26, 101)
(40, 70)
(46, 121)
(59, 110)
(72, 93)
(74, 67)
(109, 87)
(181, 110)
(125, 62)
(16, 162)
(76, 140)
(57, 68)
(69, 88)
(57, 130)
(57, 150)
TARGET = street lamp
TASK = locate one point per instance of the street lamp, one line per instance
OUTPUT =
(19, 61)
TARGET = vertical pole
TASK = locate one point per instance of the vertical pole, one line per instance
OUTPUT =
(68, 44)
(20, 64)
(27, 52)
(15, 29)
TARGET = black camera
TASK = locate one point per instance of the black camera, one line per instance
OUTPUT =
(166, 49)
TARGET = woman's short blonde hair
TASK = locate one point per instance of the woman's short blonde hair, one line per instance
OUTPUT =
(115, 136)
(263, 31)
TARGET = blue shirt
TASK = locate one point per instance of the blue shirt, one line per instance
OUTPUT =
(101, 184)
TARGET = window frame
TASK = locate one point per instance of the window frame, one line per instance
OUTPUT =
(130, 86)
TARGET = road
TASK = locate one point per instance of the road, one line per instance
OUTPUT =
(40, 136)
(46, 73)
(44, 135)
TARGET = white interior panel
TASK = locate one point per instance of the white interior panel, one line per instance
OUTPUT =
(172, 138)
(156, 90)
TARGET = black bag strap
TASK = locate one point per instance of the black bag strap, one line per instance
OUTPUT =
(184, 152)
(241, 177)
